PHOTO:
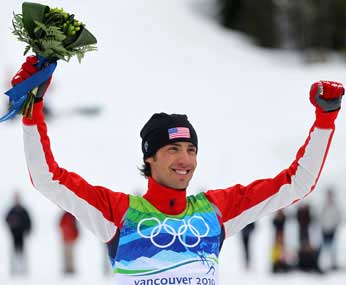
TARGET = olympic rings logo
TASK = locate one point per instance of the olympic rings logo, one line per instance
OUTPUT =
(188, 226)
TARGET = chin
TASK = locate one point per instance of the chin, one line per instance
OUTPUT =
(182, 186)
(179, 186)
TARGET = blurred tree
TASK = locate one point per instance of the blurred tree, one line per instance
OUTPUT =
(256, 18)
(338, 18)
(310, 25)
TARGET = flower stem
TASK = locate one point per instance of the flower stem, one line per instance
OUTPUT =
(28, 105)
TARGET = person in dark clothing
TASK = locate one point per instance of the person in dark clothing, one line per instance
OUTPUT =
(245, 237)
(308, 258)
(279, 221)
(304, 222)
(19, 224)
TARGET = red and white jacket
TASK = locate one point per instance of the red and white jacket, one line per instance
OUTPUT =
(101, 210)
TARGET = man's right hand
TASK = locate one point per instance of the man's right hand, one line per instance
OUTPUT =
(28, 69)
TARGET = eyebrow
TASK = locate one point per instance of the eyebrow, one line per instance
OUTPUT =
(178, 144)
(175, 144)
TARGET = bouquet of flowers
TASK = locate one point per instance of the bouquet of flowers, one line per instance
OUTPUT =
(52, 34)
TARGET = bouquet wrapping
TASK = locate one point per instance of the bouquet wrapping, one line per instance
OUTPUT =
(52, 34)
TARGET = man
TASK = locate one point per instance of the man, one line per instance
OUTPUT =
(19, 223)
(166, 237)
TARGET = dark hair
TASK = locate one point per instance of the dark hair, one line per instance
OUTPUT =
(145, 170)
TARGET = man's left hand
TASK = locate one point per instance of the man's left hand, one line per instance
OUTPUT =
(326, 95)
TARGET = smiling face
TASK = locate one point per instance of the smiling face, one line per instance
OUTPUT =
(174, 164)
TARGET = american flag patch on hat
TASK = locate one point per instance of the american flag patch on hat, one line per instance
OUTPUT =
(180, 132)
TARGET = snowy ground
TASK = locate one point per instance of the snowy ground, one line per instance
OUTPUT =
(250, 107)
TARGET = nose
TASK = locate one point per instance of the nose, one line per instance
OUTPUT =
(185, 159)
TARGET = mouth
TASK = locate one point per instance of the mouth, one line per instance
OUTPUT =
(181, 172)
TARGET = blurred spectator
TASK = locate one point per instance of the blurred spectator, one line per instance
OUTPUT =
(308, 258)
(282, 260)
(245, 236)
(330, 219)
(304, 222)
(69, 232)
(19, 224)
(307, 254)
(279, 221)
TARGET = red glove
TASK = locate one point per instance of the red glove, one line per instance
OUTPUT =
(27, 70)
(326, 95)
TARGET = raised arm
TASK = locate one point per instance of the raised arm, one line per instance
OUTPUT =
(239, 205)
(98, 208)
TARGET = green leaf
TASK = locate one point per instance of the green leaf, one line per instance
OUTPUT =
(27, 48)
(33, 12)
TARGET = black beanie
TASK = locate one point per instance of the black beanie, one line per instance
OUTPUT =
(163, 129)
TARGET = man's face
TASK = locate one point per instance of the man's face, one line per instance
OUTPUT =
(173, 165)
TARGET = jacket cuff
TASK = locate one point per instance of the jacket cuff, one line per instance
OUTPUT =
(37, 115)
(325, 120)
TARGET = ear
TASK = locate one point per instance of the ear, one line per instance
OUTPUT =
(149, 159)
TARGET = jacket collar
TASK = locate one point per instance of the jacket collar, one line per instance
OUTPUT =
(166, 200)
